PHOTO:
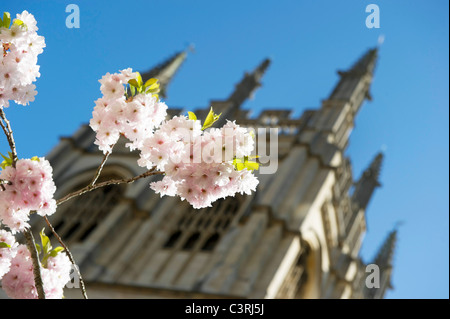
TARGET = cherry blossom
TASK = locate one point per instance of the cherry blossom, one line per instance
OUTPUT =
(30, 187)
(18, 64)
(18, 283)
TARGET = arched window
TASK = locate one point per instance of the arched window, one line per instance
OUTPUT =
(202, 229)
(211, 242)
(294, 282)
(79, 217)
(172, 239)
(191, 241)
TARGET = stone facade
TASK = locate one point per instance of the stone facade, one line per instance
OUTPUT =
(298, 236)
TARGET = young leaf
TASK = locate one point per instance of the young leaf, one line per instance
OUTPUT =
(38, 248)
(18, 22)
(56, 251)
(4, 245)
(151, 83)
(139, 78)
(210, 119)
(46, 245)
(7, 160)
(133, 82)
(132, 90)
(241, 163)
(251, 166)
(152, 87)
(6, 19)
(192, 116)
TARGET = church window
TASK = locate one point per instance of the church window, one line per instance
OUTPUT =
(80, 216)
(202, 229)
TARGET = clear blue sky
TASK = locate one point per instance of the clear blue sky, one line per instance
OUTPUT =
(307, 42)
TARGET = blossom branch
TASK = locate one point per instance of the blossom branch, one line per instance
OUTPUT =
(9, 135)
(6, 126)
(100, 168)
(36, 263)
(90, 187)
(69, 254)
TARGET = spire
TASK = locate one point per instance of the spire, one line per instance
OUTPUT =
(165, 71)
(367, 183)
(336, 118)
(248, 85)
(384, 261)
(348, 88)
(385, 255)
(366, 64)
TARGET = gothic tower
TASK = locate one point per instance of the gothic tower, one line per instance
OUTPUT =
(384, 260)
(298, 236)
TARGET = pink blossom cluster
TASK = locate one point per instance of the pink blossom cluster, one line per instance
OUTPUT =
(30, 187)
(7, 252)
(20, 46)
(114, 114)
(198, 166)
(18, 283)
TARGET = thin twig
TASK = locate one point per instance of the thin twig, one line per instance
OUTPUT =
(9, 135)
(69, 254)
(106, 183)
(36, 263)
(99, 169)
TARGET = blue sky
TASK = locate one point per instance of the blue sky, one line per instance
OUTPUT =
(307, 42)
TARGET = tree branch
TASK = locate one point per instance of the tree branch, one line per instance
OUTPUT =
(100, 168)
(9, 135)
(36, 263)
(69, 254)
(91, 187)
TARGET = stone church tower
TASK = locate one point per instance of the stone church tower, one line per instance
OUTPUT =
(298, 236)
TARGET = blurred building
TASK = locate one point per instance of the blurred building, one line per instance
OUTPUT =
(298, 236)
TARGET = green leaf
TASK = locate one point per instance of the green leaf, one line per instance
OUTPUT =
(192, 116)
(132, 90)
(6, 19)
(4, 245)
(210, 119)
(7, 160)
(151, 83)
(251, 166)
(46, 245)
(152, 91)
(139, 79)
(18, 22)
(152, 87)
(56, 251)
(133, 82)
(38, 248)
(241, 163)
